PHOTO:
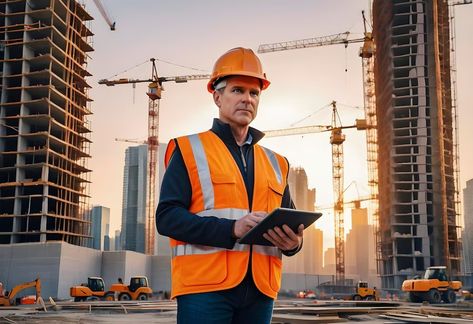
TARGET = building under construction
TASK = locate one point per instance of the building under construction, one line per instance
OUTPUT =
(416, 136)
(44, 132)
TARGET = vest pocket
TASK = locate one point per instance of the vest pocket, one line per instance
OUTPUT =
(225, 189)
(275, 193)
(204, 269)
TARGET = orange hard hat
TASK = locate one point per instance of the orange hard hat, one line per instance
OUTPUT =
(238, 61)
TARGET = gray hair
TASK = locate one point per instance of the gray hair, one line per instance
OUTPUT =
(220, 85)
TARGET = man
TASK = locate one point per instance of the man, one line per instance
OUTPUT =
(218, 185)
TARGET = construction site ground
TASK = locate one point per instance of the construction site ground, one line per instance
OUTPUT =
(285, 311)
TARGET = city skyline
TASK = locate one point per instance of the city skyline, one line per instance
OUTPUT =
(303, 82)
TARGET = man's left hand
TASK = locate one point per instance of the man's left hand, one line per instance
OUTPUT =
(284, 238)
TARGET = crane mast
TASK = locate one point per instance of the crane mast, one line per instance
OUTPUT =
(154, 95)
(367, 52)
(336, 139)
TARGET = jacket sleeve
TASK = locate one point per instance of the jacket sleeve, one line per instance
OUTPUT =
(173, 218)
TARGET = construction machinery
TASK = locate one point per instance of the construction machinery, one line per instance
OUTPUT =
(93, 290)
(10, 298)
(364, 292)
(138, 289)
(337, 138)
(433, 288)
(154, 95)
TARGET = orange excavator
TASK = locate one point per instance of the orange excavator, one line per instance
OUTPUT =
(9, 298)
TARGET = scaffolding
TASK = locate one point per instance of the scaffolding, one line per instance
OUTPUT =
(44, 131)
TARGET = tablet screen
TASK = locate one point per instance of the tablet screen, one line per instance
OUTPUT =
(279, 216)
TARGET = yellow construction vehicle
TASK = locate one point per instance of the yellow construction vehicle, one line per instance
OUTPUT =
(138, 289)
(434, 287)
(94, 289)
(9, 298)
(363, 292)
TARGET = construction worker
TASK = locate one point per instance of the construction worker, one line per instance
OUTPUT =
(218, 185)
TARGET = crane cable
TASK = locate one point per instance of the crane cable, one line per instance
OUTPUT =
(157, 59)
(310, 115)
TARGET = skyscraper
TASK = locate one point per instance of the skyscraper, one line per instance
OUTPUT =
(329, 261)
(100, 217)
(313, 250)
(134, 199)
(468, 229)
(44, 131)
(302, 196)
(117, 244)
(360, 247)
(309, 259)
(417, 207)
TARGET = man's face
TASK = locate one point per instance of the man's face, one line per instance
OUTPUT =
(238, 101)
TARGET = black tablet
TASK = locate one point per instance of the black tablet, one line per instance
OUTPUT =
(279, 216)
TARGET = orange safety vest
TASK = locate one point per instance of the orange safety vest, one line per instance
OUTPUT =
(218, 189)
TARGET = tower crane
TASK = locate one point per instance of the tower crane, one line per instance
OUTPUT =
(356, 203)
(104, 14)
(336, 140)
(366, 53)
(154, 95)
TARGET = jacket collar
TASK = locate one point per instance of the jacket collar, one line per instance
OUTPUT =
(224, 131)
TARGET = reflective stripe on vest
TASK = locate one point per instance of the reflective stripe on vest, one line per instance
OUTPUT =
(192, 249)
(203, 170)
(268, 250)
(274, 162)
(230, 213)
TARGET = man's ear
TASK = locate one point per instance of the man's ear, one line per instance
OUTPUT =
(217, 98)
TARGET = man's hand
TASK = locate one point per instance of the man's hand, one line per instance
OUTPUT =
(244, 224)
(284, 238)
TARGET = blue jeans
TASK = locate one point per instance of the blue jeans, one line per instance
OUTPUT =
(243, 304)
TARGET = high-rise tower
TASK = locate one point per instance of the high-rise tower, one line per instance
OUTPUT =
(134, 198)
(44, 131)
(417, 207)
(100, 228)
(468, 229)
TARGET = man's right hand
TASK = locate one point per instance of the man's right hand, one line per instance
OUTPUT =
(244, 224)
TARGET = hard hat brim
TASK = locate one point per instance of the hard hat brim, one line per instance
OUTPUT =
(264, 82)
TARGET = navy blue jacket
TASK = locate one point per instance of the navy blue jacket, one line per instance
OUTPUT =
(173, 218)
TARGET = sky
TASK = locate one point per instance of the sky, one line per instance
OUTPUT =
(186, 37)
